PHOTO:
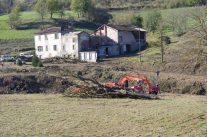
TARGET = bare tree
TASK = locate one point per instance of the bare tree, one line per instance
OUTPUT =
(200, 19)
(178, 22)
(161, 33)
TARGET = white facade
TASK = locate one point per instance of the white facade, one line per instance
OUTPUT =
(58, 44)
(89, 56)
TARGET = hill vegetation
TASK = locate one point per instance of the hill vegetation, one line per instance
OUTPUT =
(6, 5)
(181, 25)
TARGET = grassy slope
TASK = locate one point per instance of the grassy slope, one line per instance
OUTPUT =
(54, 115)
(7, 33)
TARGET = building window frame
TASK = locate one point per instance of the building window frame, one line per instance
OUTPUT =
(56, 36)
(39, 37)
(55, 47)
(40, 48)
(46, 47)
(74, 40)
(73, 46)
(46, 38)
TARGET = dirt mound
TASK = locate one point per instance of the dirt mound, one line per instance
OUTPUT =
(32, 84)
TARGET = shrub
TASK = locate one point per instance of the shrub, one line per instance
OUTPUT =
(39, 64)
(19, 62)
(196, 89)
(36, 62)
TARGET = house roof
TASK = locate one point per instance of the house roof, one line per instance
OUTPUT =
(124, 27)
(54, 30)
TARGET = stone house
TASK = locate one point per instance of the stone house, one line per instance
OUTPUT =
(59, 42)
(113, 40)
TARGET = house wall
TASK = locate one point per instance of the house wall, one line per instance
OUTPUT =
(112, 51)
(70, 42)
(89, 56)
(128, 39)
(112, 34)
(84, 41)
(49, 43)
(107, 35)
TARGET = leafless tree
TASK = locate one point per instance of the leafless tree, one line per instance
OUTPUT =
(178, 22)
(200, 19)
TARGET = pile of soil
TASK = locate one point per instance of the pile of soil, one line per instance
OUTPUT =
(32, 84)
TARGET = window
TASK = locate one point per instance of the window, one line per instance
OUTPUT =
(39, 48)
(46, 38)
(74, 40)
(63, 47)
(55, 47)
(39, 37)
(46, 48)
(56, 36)
(73, 47)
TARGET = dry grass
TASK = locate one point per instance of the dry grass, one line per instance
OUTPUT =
(55, 115)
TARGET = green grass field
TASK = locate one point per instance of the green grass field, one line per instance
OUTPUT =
(7, 33)
(55, 115)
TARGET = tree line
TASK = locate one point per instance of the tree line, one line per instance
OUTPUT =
(7, 5)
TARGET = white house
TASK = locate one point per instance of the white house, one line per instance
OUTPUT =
(58, 42)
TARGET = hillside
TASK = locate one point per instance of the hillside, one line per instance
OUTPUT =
(183, 56)
(5, 5)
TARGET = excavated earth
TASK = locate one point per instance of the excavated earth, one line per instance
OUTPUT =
(62, 77)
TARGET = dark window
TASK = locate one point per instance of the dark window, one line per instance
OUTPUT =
(39, 37)
(73, 47)
(74, 40)
(56, 36)
(55, 47)
(46, 48)
(39, 48)
(46, 38)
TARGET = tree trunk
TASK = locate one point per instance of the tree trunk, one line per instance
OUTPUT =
(162, 46)
(42, 22)
(51, 15)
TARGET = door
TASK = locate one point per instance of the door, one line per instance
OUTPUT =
(107, 51)
(128, 48)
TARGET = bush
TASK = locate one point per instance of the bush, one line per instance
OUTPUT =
(19, 62)
(196, 89)
(36, 62)
(39, 64)
(169, 85)
(137, 21)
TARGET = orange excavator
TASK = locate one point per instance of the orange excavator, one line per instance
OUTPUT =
(123, 83)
